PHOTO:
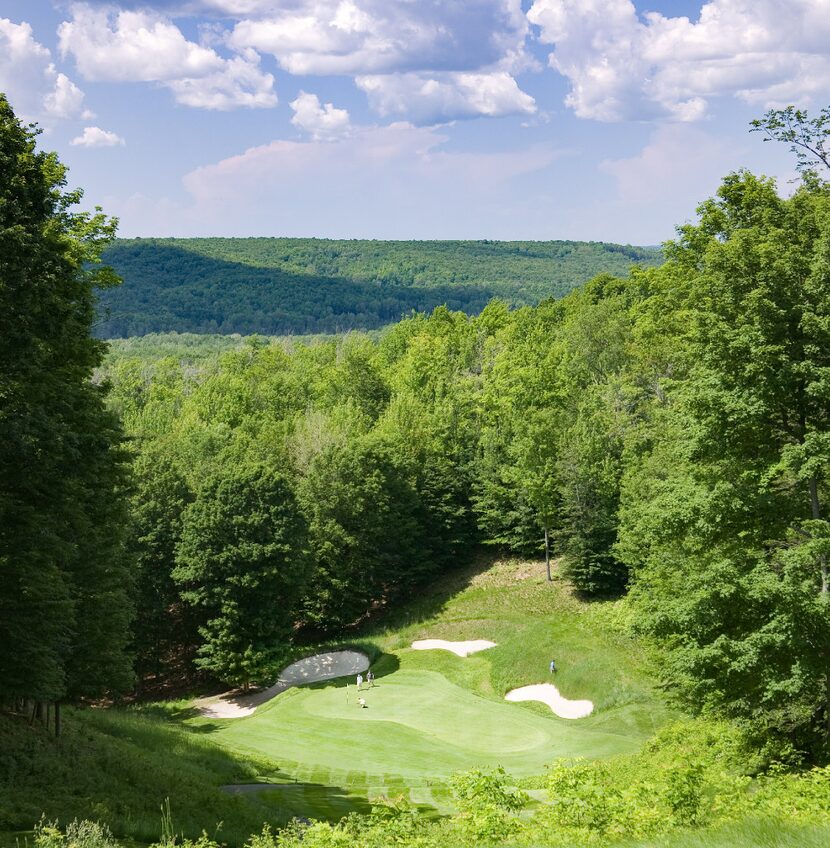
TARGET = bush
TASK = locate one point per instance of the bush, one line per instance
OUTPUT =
(78, 834)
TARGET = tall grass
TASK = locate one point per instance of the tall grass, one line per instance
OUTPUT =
(118, 768)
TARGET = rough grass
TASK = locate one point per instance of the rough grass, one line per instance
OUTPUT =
(752, 833)
(119, 768)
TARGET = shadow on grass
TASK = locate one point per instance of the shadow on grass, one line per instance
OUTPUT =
(118, 766)
(167, 712)
(383, 666)
(429, 599)
(316, 800)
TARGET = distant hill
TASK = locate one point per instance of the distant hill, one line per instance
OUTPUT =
(281, 286)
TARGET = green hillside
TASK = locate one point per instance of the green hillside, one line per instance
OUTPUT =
(430, 715)
(650, 777)
(280, 286)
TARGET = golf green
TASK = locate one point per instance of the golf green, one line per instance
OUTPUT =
(433, 714)
(416, 725)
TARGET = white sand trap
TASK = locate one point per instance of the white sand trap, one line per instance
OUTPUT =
(548, 694)
(462, 649)
(238, 704)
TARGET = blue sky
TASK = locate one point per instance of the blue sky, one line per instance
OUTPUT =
(504, 119)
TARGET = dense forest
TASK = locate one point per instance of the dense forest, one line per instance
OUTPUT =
(663, 434)
(281, 286)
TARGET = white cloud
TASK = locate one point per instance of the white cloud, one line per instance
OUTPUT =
(135, 46)
(401, 173)
(421, 60)
(621, 67)
(65, 100)
(430, 98)
(142, 46)
(30, 80)
(655, 175)
(96, 137)
(321, 122)
(378, 36)
(239, 83)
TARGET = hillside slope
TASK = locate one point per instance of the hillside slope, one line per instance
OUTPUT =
(127, 761)
(277, 285)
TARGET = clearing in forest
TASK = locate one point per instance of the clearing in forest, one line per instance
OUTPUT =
(432, 713)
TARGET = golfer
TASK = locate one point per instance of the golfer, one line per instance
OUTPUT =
(370, 678)
(553, 666)
(359, 681)
(361, 702)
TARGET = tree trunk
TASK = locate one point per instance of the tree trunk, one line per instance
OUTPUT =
(57, 719)
(815, 507)
(547, 555)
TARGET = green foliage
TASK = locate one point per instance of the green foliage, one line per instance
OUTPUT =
(584, 799)
(158, 504)
(241, 562)
(65, 607)
(78, 834)
(487, 806)
(280, 286)
(364, 530)
(808, 138)
(732, 482)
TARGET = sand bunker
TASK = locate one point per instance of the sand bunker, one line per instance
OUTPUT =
(548, 694)
(238, 704)
(462, 649)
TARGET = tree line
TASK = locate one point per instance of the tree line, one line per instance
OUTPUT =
(663, 434)
(281, 286)
(66, 597)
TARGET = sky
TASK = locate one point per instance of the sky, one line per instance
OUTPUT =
(604, 120)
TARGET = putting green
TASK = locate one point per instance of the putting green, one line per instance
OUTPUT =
(417, 725)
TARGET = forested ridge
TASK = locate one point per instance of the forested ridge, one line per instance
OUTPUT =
(660, 437)
(282, 285)
(663, 433)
